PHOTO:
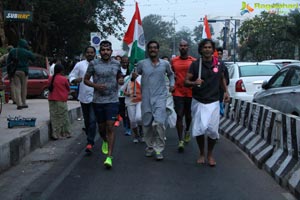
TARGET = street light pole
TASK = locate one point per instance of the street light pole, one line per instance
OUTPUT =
(236, 23)
(174, 35)
(234, 42)
(174, 21)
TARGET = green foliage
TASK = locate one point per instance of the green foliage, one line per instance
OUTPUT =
(269, 36)
(155, 28)
(187, 35)
(62, 28)
(198, 33)
(3, 51)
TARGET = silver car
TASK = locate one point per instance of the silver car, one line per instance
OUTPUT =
(282, 62)
(282, 91)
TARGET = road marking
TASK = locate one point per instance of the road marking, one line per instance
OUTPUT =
(45, 195)
(288, 196)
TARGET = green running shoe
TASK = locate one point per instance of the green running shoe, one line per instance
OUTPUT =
(181, 146)
(159, 156)
(187, 137)
(104, 147)
(108, 162)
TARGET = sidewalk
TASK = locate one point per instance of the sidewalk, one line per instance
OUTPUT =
(17, 142)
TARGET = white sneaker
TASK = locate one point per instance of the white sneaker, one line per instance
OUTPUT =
(135, 140)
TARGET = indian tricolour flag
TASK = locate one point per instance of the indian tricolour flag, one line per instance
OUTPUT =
(134, 38)
(206, 31)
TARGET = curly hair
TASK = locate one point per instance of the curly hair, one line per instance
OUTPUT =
(204, 42)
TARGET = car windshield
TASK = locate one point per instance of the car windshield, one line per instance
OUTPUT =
(258, 70)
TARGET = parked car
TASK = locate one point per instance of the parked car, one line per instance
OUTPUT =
(283, 62)
(282, 91)
(246, 78)
(37, 82)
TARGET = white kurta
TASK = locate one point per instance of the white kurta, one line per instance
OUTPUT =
(154, 90)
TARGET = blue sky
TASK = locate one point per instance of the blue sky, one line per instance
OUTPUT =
(188, 12)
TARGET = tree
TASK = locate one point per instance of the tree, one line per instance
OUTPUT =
(63, 27)
(262, 38)
(3, 41)
(292, 22)
(187, 35)
(157, 29)
(197, 33)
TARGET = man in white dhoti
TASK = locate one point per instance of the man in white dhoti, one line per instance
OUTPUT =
(205, 75)
(154, 99)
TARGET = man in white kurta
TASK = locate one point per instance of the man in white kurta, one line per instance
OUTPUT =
(154, 99)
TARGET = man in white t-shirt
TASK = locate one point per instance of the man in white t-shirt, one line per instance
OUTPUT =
(51, 69)
(85, 96)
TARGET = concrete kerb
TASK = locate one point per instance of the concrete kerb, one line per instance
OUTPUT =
(247, 134)
(262, 151)
(270, 138)
(294, 180)
(291, 148)
(235, 118)
(14, 150)
(239, 120)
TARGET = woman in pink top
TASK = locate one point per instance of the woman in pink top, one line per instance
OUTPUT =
(58, 95)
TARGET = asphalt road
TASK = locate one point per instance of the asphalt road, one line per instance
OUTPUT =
(134, 176)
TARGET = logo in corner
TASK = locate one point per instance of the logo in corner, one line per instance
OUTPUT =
(246, 8)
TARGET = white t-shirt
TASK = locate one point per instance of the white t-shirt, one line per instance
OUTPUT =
(51, 69)
(86, 93)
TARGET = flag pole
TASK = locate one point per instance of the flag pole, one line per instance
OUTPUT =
(134, 83)
(200, 69)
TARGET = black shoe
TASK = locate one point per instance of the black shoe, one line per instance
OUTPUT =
(54, 137)
(19, 107)
(25, 106)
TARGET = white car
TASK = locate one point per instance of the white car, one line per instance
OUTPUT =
(246, 78)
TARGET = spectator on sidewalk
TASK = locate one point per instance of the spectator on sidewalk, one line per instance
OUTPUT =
(3, 58)
(54, 62)
(3, 64)
(85, 96)
(59, 89)
(19, 78)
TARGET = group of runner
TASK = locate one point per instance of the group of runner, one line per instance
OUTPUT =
(194, 83)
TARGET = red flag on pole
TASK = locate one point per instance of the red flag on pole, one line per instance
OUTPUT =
(134, 38)
(206, 30)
